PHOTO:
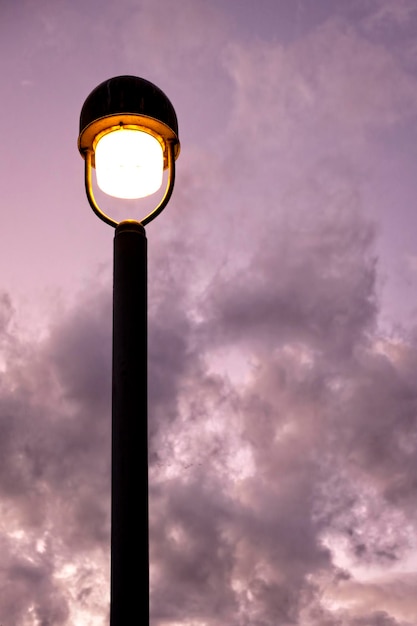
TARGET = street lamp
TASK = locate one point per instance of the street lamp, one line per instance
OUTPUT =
(129, 134)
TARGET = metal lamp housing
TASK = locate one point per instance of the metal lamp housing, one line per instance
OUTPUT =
(128, 102)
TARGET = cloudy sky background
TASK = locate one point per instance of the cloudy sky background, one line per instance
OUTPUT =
(282, 315)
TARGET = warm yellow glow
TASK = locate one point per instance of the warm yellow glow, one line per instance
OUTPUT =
(129, 163)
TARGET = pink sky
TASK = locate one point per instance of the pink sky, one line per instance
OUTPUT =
(282, 314)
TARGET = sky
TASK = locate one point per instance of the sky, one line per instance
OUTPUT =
(282, 314)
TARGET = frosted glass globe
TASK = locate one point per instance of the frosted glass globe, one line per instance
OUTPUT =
(129, 164)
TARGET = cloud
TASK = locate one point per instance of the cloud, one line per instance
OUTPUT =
(55, 465)
(319, 415)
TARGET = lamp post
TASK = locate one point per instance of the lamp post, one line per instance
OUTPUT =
(129, 134)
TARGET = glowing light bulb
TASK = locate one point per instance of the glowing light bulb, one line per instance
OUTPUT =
(129, 164)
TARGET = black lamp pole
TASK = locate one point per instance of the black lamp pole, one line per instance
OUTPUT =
(129, 509)
(128, 102)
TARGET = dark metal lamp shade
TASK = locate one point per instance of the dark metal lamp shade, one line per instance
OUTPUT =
(128, 101)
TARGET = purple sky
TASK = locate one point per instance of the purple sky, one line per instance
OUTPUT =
(282, 315)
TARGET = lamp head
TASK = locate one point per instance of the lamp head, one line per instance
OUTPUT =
(129, 133)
